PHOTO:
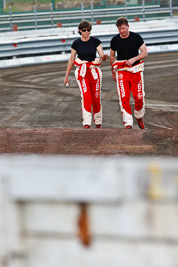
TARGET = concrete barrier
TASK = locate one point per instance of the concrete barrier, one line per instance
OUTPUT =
(88, 211)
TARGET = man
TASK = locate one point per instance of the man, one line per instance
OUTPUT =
(127, 71)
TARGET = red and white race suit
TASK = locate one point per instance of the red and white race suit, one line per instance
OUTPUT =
(130, 79)
(89, 78)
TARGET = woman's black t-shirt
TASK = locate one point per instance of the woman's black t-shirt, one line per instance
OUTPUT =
(127, 47)
(86, 50)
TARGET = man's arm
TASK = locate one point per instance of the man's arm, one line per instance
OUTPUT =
(142, 55)
(112, 59)
(112, 56)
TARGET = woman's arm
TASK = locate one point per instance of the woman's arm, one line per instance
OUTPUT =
(101, 53)
(70, 65)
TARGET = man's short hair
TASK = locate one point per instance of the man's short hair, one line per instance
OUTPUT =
(85, 24)
(120, 21)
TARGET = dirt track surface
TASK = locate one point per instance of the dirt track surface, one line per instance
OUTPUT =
(90, 142)
(39, 115)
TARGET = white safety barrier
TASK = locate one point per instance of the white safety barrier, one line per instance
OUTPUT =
(64, 57)
(63, 211)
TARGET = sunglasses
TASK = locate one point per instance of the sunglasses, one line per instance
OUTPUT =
(87, 30)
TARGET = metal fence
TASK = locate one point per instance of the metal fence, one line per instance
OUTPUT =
(67, 18)
(27, 5)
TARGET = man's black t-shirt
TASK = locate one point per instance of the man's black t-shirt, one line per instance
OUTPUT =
(86, 50)
(127, 47)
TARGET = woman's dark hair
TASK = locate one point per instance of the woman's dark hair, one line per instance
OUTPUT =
(85, 24)
(120, 21)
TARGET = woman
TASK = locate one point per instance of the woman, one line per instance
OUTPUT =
(88, 74)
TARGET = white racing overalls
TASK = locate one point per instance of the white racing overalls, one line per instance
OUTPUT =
(130, 79)
(89, 78)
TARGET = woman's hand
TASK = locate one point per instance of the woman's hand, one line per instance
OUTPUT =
(66, 80)
(104, 57)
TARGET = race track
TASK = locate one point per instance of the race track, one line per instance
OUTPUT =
(34, 99)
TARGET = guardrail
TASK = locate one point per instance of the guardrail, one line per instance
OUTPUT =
(62, 44)
(39, 20)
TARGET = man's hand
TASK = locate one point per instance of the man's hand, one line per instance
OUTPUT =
(130, 61)
(114, 76)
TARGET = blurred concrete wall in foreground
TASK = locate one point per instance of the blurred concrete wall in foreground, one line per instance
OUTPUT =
(88, 211)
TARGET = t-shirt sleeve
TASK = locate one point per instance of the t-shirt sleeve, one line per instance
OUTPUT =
(97, 42)
(74, 45)
(112, 45)
(140, 41)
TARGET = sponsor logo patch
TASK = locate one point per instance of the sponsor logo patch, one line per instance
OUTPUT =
(84, 86)
(140, 96)
(121, 85)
